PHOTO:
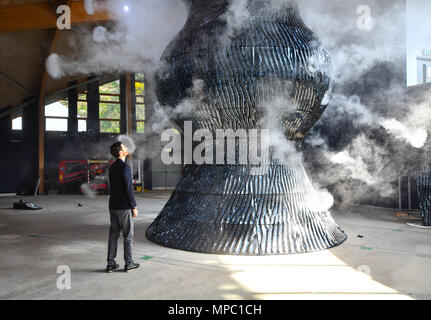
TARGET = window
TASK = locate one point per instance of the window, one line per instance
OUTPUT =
(82, 112)
(17, 121)
(56, 115)
(429, 72)
(109, 107)
(140, 103)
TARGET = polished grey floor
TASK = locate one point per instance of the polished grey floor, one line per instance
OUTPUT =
(390, 261)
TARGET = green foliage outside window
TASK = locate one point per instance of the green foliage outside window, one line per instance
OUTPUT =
(110, 109)
(140, 88)
(140, 112)
(140, 107)
(109, 126)
(140, 127)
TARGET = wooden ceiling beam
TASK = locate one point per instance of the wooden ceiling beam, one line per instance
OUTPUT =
(29, 16)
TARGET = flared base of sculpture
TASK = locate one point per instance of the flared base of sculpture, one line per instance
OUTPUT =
(230, 210)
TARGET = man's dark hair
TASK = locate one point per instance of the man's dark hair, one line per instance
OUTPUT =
(116, 148)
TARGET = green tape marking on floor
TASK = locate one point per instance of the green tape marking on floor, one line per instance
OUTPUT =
(399, 230)
(146, 258)
(366, 248)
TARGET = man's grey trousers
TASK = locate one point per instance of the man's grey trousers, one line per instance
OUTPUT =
(121, 222)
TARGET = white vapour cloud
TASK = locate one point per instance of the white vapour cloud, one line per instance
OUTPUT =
(363, 162)
(53, 65)
(87, 191)
(410, 128)
(362, 159)
(416, 137)
(237, 17)
(133, 44)
(128, 141)
(354, 50)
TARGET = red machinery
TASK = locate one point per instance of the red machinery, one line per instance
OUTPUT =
(73, 173)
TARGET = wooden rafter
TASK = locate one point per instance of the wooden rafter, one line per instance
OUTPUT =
(28, 16)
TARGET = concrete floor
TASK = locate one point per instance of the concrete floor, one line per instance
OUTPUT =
(391, 261)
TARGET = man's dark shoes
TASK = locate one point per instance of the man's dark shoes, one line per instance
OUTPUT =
(109, 269)
(131, 267)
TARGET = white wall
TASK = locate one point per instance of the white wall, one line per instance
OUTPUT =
(418, 35)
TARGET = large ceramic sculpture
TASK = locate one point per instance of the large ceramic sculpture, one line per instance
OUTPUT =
(225, 209)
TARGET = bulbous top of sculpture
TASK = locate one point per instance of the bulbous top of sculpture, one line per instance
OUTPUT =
(242, 65)
(255, 8)
(284, 3)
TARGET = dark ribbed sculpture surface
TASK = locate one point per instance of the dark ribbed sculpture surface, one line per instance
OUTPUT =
(424, 195)
(225, 209)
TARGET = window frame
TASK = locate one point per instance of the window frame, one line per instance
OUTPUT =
(17, 115)
(77, 115)
(138, 121)
(117, 103)
(57, 117)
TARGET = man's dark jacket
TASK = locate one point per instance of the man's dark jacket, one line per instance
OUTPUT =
(120, 181)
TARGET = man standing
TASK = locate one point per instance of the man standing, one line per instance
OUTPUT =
(122, 208)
